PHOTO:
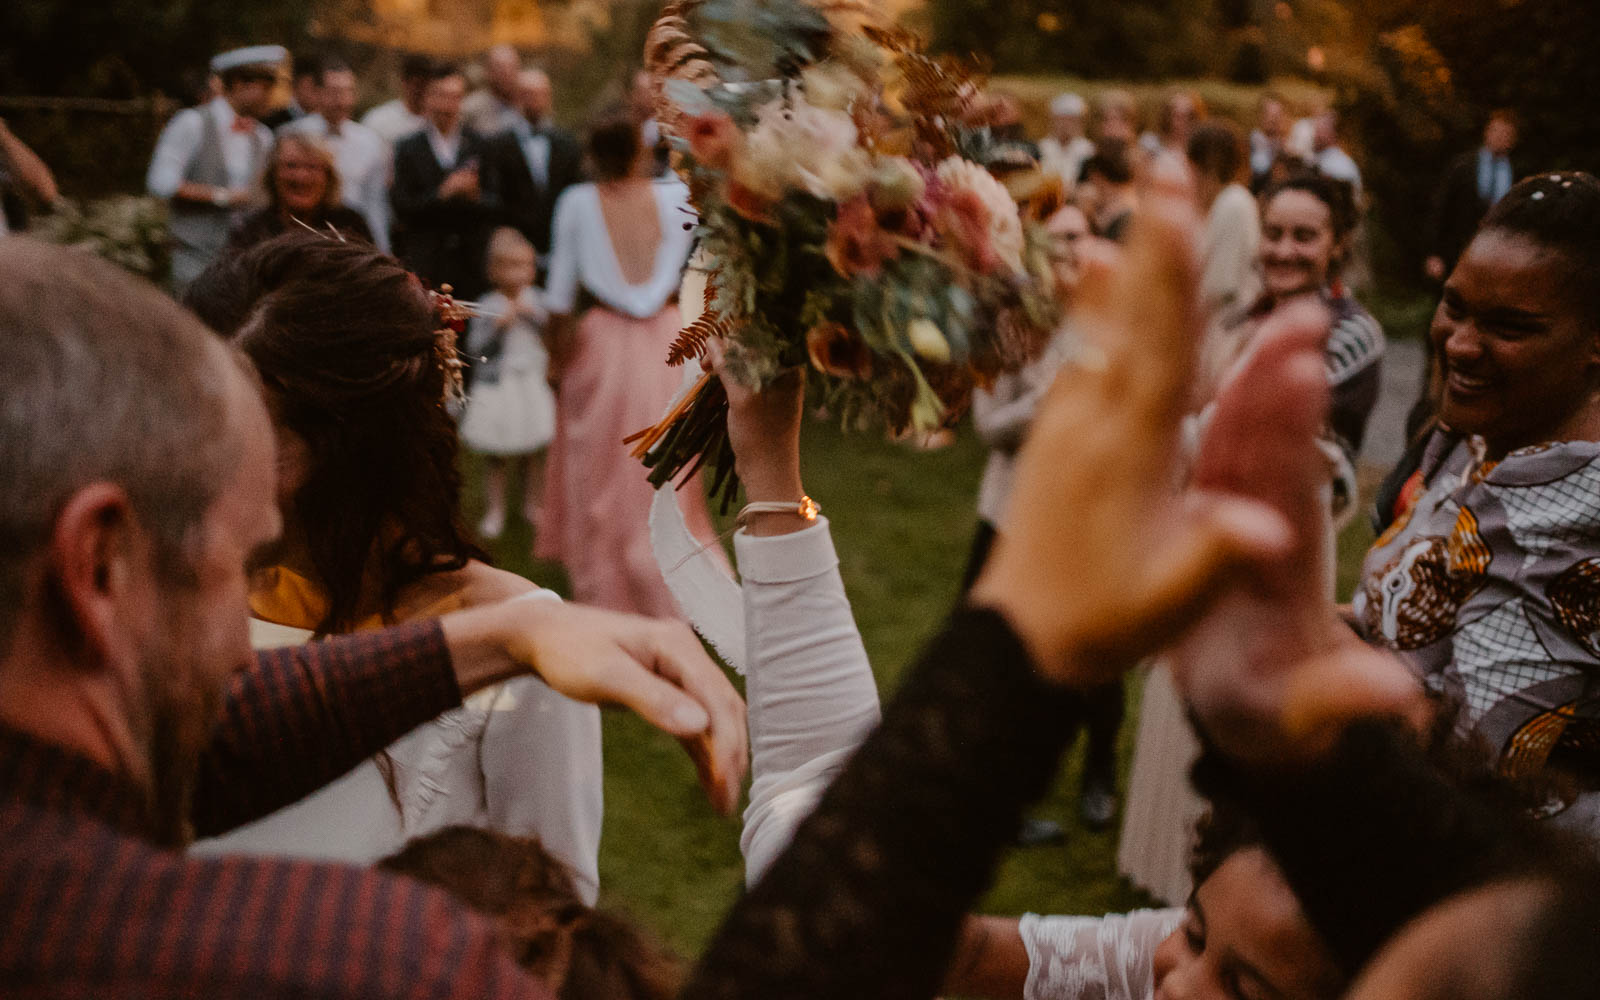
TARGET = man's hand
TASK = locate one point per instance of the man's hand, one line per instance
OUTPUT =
(1272, 672)
(462, 183)
(1099, 564)
(656, 668)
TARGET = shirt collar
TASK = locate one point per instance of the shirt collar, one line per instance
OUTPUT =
(54, 778)
(441, 141)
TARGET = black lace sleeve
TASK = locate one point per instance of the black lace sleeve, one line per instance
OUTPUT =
(868, 899)
(1380, 830)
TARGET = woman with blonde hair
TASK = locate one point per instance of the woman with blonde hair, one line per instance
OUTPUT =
(303, 190)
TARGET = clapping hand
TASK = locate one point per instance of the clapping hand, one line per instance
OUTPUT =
(1100, 563)
(461, 183)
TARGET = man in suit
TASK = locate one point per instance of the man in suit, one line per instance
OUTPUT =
(1472, 186)
(535, 162)
(446, 195)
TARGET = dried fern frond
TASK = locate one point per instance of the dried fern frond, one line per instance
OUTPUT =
(671, 52)
(692, 339)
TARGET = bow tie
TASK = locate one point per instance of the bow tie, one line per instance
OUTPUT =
(243, 124)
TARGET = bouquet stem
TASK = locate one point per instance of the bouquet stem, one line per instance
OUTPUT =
(691, 435)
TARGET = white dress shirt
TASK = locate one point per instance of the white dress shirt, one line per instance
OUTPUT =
(446, 148)
(535, 143)
(1065, 159)
(393, 121)
(180, 142)
(363, 161)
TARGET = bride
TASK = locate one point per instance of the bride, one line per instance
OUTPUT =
(358, 372)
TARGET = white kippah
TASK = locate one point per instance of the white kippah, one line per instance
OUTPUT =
(253, 55)
(1068, 104)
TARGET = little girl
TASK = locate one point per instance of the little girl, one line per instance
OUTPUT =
(511, 411)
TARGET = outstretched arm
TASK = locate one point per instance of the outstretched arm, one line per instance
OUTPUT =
(307, 714)
(870, 897)
(812, 697)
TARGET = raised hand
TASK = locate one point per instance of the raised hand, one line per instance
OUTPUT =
(1099, 563)
(764, 431)
(1272, 672)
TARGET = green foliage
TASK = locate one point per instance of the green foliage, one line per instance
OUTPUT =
(1132, 39)
(1437, 68)
(128, 231)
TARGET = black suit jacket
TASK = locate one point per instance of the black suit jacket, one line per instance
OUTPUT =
(529, 205)
(1458, 208)
(444, 240)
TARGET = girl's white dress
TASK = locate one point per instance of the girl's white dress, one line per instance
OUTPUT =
(511, 409)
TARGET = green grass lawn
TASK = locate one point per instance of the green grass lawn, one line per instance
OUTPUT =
(902, 521)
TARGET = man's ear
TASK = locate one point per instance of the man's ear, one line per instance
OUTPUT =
(98, 557)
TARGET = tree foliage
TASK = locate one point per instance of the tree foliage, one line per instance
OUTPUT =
(1438, 67)
(131, 48)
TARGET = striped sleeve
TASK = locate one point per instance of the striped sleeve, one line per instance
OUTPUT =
(306, 714)
(1355, 344)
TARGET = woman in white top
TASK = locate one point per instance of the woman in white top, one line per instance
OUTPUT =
(1230, 279)
(357, 373)
(620, 245)
(812, 700)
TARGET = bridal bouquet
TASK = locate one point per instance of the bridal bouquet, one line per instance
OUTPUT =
(845, 221)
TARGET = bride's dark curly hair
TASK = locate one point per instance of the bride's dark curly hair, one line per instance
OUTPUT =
(348, 347)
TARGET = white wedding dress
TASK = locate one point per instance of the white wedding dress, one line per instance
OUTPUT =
(516, 757)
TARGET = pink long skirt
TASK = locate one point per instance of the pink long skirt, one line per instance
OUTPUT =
(595, 517)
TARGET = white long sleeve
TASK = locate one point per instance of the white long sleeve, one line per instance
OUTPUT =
(177, 146)
(810, 691)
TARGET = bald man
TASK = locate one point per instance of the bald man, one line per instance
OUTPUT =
(494, 108)
(535, 161)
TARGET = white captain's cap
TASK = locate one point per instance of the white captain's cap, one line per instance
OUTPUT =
(264, 56)
(1068, 105)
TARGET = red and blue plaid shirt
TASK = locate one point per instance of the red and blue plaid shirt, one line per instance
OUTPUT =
(92, 906)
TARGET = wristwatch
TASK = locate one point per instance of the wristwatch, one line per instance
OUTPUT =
(221, 197)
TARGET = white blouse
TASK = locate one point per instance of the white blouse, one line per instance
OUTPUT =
(516, 757)
(582, 254)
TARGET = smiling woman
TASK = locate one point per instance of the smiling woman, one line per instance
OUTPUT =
(303, 192)
(1488, 582)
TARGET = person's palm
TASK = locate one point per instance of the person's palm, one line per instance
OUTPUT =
(1271, 671)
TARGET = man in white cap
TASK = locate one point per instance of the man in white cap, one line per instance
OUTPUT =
(208, 157)
(1065, 149)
